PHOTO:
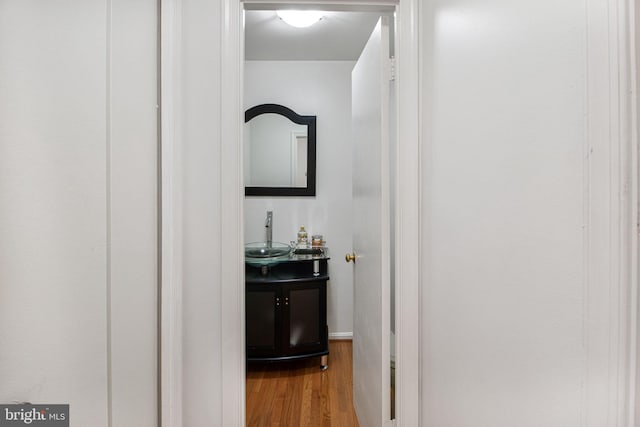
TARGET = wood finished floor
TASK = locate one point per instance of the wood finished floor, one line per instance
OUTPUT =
(299, 394)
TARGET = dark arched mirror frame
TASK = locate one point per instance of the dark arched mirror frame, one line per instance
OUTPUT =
(310, 122)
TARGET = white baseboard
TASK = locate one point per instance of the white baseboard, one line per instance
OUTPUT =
(341, 335)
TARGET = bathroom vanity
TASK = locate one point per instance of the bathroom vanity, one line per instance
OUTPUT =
(286, 308)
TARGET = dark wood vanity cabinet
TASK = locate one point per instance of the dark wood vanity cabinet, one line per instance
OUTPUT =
(286, 312)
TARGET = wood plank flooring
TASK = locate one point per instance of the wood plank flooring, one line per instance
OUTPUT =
(299, 394)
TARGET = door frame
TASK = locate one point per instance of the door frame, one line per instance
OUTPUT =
(407, 203)
(634, 214)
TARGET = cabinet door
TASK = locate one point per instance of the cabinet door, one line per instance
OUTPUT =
(305, 323)
(263, 303)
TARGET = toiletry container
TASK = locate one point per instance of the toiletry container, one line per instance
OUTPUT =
(303, 238)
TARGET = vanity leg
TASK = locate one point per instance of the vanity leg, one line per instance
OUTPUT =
(324, 362)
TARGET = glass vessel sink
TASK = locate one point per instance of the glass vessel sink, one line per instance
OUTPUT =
(262, 253)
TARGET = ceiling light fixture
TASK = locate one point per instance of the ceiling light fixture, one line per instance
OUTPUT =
(300, 18)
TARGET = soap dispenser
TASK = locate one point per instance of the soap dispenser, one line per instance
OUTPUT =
(303, 238)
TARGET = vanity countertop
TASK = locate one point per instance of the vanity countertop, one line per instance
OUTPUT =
(296, 268)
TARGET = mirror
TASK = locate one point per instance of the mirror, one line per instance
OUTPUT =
(279, 152)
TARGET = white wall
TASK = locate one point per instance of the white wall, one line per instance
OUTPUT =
(78, 208)
(521, 298)
(323, 89)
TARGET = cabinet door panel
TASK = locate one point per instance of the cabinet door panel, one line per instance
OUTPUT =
(304, 312)
(261, 320)
(305, 326)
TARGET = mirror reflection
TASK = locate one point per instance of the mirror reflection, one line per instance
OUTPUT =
(276, 152)
(279, 147)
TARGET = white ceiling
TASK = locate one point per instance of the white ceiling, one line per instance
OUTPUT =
(337, 36)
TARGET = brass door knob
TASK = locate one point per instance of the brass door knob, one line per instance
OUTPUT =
(350, 257)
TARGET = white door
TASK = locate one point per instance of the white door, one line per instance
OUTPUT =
(370, 103)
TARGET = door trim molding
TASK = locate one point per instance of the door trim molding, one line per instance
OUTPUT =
(408, 193)
(170, 236)
(232, 348)
(633, 39)
(611, 215)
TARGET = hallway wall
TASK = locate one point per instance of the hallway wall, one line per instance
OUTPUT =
(78, 208)
(523, 282)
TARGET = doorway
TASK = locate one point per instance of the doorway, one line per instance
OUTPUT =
(310, 72)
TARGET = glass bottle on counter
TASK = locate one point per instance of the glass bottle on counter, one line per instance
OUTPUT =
(303, 237)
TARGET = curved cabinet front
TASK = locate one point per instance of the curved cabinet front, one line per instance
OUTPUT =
(286, 317)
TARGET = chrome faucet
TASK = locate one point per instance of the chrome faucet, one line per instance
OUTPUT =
(269, 227)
